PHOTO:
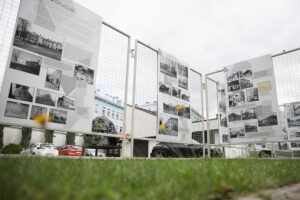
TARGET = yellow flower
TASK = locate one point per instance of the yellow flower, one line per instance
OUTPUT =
(161, 127)
(42, 119)
(180, 107)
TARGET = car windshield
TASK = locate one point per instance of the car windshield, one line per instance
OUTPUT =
(49, 146)
(76, 148)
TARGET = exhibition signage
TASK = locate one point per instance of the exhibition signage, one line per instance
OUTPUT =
(292, 111)
(251, 101)
(174, 110)
(52, 65)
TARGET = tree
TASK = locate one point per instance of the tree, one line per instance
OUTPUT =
(70, 138)
(26, 136)
(1, 136)
(49, 136)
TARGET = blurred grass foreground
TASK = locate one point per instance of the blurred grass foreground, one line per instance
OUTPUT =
(54, 178)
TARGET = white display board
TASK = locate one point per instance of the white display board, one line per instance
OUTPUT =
(223, 127)
(52, 65)
(251, 101)
(174, 109)
(292, 111)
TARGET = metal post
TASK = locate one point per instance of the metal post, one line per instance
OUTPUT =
(202, 112)
(207, 117)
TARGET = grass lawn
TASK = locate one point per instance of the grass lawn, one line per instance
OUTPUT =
(52, 178)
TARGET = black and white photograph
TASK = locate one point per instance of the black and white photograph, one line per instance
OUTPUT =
(21, 92)
(58, 116)
(66, 102)
(168, 125)
(53, 78)
(39, 40)
(185, 96)
(293, 121)
(267, 119)
(168, 67)
(234, 116)
(16, 110)
(185, 112)
(236, 98)
(183, 71)
(292, 112)
(233, 77)
(252, 95)
(183, 83)
(25, 62)
(237, 132)
(222, 106)
(251, 127)
(233, 82)
(170, 106)
(246, 79)
(249, 113)
(296, 108)
(163, 88)
(224, 121)
(85, 74)
(37, 110)
(45, 97)
(176, 92)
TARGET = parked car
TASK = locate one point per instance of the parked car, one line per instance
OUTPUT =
(92, 153)
(70, 150)
(41, 149)
(164, 149)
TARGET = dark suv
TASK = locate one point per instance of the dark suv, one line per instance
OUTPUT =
(175, 150)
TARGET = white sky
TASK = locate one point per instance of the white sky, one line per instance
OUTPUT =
(206, 34)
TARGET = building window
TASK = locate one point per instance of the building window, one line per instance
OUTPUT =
(113, 114)
(121, 117)
(117, 116)
(121, 129)
(108, 112)
(103, 111)
(96, 108)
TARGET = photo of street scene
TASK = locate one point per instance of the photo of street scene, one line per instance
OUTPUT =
(164, 88)
(252, 95)
(169, 106)
(249, 113)
(53, 78)
(234, 116)
(168, 125)
(267, 119)
(183, 71)
(66, 102)
(58, 116)
(16, 110)
(294, 134)
(251, 127)
(236, 98)
(237, 132)
(183, 83)
(293, 121)
(176, 92)
(45, 97)
(39, 40)
(25, 62)
(21, 92)
(185, 96)
(82, 73)
(37, 110)
(292, 111)
(185, 111)
(233, 82)
(246, 79)
(296, 108)
(168, 67)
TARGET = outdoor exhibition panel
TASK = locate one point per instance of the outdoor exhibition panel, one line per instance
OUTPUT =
(52, 66)
(251, 101)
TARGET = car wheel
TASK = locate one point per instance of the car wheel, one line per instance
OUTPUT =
(160, 154)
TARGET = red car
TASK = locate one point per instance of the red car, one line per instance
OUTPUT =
(70, 150)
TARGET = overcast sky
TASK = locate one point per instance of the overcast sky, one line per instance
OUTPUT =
(207, 34)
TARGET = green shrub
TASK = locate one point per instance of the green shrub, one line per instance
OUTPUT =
(70, 138)
(12, 149)
(1, 136)
(49, 136)
(26, 137)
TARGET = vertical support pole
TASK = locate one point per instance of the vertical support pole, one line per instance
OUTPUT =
(207, 117)
(202, 112)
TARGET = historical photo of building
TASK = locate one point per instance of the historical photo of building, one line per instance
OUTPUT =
(224, 121)
(293, 121)
(234, 116)
(168, 125)
(39, 40)
(164, 88)
(222, 106)
(251, 127)
(246, 79)
(183, 83)
(292, 111)
(37, 110)
(66, 102)
(185, 111)
(296, 108)
(170, 106)
(237, 132)
(58, 116)
(252, 95)
(82, 73)
(25, 62)
(16, 110)
(45, 97)
(176, 92)
(267, 119)
(236, 98)
(185, 96)
(21, 92)
(249, 113)
(53, 78)
(168, 67)
(233, 82)
(183, 71)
